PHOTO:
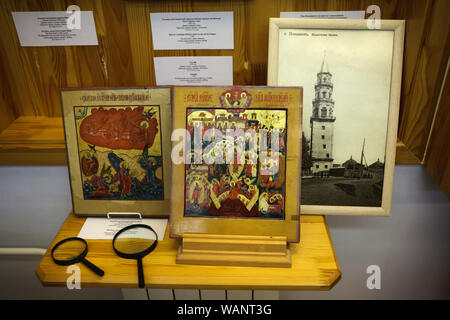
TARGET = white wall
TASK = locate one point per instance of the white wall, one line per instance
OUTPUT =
(412, 247)
(34, 202)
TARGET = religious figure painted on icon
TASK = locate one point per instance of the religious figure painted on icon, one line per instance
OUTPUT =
(120, 152)
(236, 169)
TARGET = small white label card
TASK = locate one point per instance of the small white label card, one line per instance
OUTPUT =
(192, 30)
(324, 14)
(55, 28)
(104, 228)
(214, 71)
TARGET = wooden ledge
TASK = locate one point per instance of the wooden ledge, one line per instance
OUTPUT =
(33, 141)
(404, 155)
(40, 141)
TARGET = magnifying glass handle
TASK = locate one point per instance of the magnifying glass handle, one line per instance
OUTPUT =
(140, 273)
(93, 267)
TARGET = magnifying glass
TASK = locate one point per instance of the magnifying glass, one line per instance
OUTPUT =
(73, 250)
(135, 242)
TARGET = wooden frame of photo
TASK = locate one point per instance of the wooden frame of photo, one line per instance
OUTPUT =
(122, 163)
(287, 34)
(185, 100)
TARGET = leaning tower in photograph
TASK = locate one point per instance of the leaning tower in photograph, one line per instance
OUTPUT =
(322, 122)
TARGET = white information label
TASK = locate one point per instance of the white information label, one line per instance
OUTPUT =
(214, 71)
(192, 30)
(103, 228)
(324, 14)
(55, 28)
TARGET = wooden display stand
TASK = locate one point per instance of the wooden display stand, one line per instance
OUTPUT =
(234, 250)
(314, 265)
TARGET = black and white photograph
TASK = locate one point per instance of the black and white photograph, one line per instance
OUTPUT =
(346, 79)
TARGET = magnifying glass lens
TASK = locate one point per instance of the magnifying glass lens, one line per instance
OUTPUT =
(135, 240)
(69, 250)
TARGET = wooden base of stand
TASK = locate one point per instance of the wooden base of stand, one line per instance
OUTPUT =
(233, 250)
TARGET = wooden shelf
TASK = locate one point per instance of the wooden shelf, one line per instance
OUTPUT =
(33, 141)
(40, 141)
(314, 265)
(404, 155)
